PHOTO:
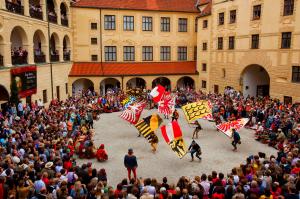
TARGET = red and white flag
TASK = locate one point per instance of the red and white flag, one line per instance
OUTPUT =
(157, 93)
(167, 104)
(237, 125)
(133, 112)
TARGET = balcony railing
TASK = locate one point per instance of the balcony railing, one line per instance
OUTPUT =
(65, 22)
(35, 13)
(52, 18)
(54, 58)
(18, 60)
(1, 60)
(67, 57)
(39, 58)
(12, 7)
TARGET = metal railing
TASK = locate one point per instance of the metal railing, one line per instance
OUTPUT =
(1, 60)
(65, 22)
(18, 60)
(36, 14)
(54, 58)
(52, 18)
(12, 7)
(67, 57)
(39, 58)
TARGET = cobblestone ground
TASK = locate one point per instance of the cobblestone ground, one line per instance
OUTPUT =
(118, 135)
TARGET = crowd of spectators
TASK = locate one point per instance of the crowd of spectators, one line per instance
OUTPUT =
(38, 146)
(19, 55)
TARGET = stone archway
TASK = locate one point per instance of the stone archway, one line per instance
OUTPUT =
(81, 85)
(185, 83)
(255, 81)
(109, 84)
(39, 47)
(19, 42)
(136, 82)
(162, 81)
(4, 95)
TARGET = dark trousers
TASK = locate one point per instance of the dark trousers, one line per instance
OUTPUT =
(234, 143)
(197, 154)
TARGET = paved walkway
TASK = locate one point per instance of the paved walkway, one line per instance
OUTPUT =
(118, 135)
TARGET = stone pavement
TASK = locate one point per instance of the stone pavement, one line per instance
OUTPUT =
(118, 135)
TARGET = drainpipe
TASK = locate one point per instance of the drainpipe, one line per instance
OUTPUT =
(49, 48)
(101, 44)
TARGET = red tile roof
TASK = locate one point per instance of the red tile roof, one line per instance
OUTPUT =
(154, 5)
(207, 9)
(124, 68)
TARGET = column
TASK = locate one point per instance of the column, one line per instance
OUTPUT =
(61, 53)
(57, 10)
(30, 58)
(44, 9)
(26, 7)
(69, 19)
(45, 49)
(7, 54)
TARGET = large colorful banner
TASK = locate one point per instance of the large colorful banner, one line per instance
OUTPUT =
(128, 101)
(173, 137)
(166, 105)
(196, 110)
(133, 112)
(227, 127)
(209, 117)
(148, 125)
(157, 93)
(26, 80)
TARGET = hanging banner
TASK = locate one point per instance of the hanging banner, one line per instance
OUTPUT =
(26, 80)
(237, 125)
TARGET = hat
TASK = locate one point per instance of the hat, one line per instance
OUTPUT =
(279, 130)
(16, 160)
(259, 123)
(17, 118)
(48, 165)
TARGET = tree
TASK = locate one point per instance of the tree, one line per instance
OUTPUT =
(14, 97)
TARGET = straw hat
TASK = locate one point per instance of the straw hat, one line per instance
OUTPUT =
(48, 165)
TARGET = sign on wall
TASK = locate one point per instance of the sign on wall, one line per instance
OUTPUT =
(26, 79)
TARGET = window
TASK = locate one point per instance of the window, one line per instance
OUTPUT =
(286, 40)
(182, 53)
(109, 22)
(67, 89)
(204, 67)
(203, 84)
(93, 41)
(147, 53)
(196, 25)
(288, 7)
(205, 24)
(223, 72)
(195, 52)
(45, 98)
(232, 16)
(94, 26)
(255, 41)
(256, 12)
(128, 23)
(221, 18)
(231, 43)
(147, 23)
(204, 46)
(94, 57)
(220, 43)
(128, 53)
(165, 24)
(182, 25)
(296, 74)
(165, 53)
(110, 53)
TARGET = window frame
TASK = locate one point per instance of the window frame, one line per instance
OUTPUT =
(110, 53)
(232, 19)
(205, 24)
(256, 14)
(288, 7)
(204, 67)
(182, 53)
(182, 24)
(203, 84)
(204, 46)
(296, 72)
(286, 40)
(165, 24)
(221, 18)
(45, 96)
(255, 41)
(128, 55)
(94, 57)
(165, 53)
(109, 22)
(231, 43)
(94, 41)
(220, 44)
(147, 54)
(128, 23)
(147, 23)
(94, 26)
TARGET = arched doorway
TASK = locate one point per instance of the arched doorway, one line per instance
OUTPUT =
(185, 83)
(54, 43)
(165, 82)
(51, 9)
(82, 85)
(66, 48)
(64, 14)
(35, 9)
(39, 47)
(4, 97)
(19, 41)
(136, 83)
(255, 81)
(109, 84)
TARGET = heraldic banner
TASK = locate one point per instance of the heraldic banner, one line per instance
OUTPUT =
(148, 125)
(133, 112)
(196, 110)
(237, 125)
(173, 137)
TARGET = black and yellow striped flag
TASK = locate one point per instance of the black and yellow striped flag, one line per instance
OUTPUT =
(148, 125)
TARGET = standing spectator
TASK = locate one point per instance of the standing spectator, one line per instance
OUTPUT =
(236, 139)
(130, 163)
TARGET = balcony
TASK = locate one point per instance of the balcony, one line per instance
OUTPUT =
(36, 13)
(15, 8)
(39, 58)
(1, 61)
(54, 58)
(65, 22)
(52, 18)
(67, 57)
(18, 60)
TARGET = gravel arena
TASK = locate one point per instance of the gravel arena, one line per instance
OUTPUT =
(118, 135)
